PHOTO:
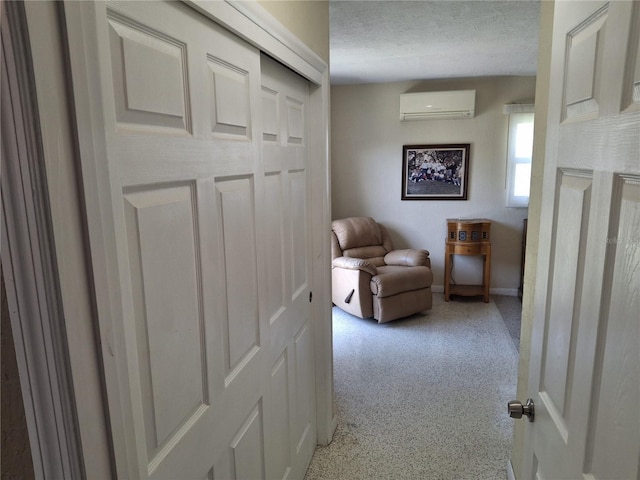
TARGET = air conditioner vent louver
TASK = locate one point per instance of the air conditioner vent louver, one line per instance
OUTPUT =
(437, 105)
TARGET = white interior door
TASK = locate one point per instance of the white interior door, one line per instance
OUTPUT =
(285, 105)
(199, 248)
(585, 359)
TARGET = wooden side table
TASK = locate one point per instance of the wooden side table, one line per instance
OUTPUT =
(468, 237)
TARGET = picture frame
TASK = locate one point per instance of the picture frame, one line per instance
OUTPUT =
(435, 172)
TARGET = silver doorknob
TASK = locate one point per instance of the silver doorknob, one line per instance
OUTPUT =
(517, 410)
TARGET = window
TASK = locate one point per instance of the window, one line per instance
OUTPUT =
(520, 148)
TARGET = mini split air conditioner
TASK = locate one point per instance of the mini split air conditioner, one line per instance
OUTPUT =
(437, 105)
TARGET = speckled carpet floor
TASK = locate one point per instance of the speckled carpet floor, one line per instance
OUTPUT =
(423, 397)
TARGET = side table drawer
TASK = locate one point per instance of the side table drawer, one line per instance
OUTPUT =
(466, 249)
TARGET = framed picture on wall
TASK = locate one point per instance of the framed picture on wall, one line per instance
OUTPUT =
(435, 172)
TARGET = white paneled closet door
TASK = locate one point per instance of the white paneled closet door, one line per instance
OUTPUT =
(285, 104)
(200, 248)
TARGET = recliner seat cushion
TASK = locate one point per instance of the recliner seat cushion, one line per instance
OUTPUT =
(392, 280)
(409, 257)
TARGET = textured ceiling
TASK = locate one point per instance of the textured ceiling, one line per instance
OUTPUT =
(388, 41)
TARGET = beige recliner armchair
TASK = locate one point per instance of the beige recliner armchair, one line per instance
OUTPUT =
(370, 278)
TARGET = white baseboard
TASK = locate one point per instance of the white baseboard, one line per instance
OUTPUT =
(510, 473)
(509, 292)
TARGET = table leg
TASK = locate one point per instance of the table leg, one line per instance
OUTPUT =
(486, 275)
(447, 274)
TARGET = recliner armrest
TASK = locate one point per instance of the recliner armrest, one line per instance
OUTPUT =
(351, 263)
(408, 257)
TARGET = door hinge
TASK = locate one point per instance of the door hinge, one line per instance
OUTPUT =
(310, 296)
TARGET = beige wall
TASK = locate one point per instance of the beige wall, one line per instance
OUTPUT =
(307, 20)
(366, 151)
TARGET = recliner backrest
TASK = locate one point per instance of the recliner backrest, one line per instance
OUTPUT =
(361, 237)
